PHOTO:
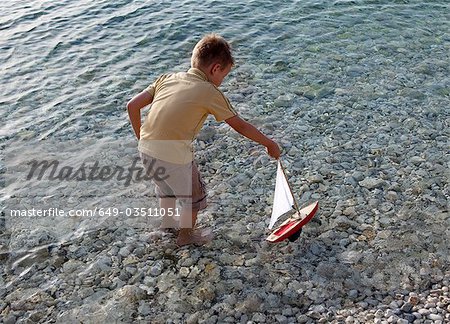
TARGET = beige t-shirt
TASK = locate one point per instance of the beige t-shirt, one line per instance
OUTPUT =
(181, 103)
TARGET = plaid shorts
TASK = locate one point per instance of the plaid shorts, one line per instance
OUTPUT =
(180, 181)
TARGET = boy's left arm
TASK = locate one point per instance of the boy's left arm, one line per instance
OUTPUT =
(251, 132)
(134, 107)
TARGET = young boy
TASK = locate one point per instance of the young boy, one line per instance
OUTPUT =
(180, 104)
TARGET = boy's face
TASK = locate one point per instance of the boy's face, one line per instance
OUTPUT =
(217, 73)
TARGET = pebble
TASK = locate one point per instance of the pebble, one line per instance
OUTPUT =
(435, 317)
(281, 319)
(372, 183)
(259, 318)
(144, 309)
(10, 319)
(402, 321)
(407, 307)
(413, 300)
(156, 269)
(184, 272)
(353, 293)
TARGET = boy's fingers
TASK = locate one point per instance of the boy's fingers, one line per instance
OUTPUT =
(274, 155)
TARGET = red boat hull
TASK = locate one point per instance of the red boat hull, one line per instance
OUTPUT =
(293, 224)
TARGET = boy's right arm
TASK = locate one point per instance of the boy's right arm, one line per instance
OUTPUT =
(134, 107)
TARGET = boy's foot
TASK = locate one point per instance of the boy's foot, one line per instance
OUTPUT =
(198, 236)
(169, 230)
(170, 223)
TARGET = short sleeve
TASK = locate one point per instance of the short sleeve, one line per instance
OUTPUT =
(151, 89)
(220, 107)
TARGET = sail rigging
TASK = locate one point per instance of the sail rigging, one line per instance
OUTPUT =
(283, 200)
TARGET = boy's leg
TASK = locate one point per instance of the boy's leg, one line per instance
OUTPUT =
(188, 218)
(191, 235)
(188, 233)
(162, 189)
(169, 219)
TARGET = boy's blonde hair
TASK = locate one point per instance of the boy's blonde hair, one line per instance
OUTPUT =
(210, 49)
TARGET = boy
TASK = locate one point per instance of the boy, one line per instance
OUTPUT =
(180, 104)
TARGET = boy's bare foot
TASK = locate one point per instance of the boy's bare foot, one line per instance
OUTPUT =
(171, 231)
(198, 236)
(170, 222)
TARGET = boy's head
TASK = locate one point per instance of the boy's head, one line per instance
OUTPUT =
(212, 55)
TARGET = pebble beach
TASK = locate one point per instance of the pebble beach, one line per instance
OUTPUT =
(357, 93)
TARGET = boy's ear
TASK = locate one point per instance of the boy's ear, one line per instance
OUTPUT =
(215, 68)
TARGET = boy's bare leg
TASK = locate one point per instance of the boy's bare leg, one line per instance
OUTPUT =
(188, 234)
(188, 219)
(168, 206)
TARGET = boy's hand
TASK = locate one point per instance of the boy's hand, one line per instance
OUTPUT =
(274, 150)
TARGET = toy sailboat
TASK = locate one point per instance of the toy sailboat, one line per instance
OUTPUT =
(284, 202)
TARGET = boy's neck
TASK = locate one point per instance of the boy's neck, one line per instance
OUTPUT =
(215, 73)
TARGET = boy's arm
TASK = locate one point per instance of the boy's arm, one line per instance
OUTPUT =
(134, 107)
(251, 132)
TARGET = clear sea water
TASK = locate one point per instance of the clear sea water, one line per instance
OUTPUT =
(68, 67)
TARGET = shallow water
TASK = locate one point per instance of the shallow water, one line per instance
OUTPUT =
(70, 66)
(332, 78)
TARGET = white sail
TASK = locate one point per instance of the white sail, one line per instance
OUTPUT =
(283, 199)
